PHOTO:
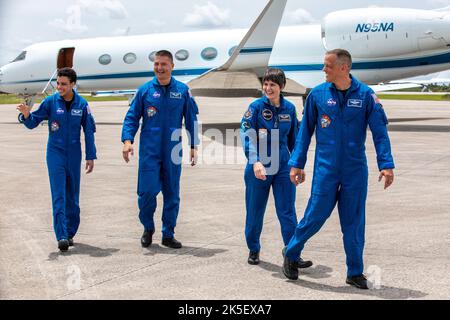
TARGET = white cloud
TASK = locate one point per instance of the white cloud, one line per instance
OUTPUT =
(73, 26)
(299, 16)
(208, 16)
(113, 9)
(439, 3)
(155, 26)
(121, 31)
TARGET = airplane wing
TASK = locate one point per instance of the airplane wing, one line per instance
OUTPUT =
(393, 86)
(240, 75)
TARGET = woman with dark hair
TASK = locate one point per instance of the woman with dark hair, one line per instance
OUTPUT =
(268, 131)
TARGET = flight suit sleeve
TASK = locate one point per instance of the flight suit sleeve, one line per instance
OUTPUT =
(378, 121)
(303, 140)
(190, 112)
(41, 114)
(294, 131)
(134, 114)
(249, 134)
(89, 128)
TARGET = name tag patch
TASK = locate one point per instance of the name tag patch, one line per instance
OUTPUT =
(59, 111)
(284, 117)
(77, 112)
(175, 95)
(354, 103)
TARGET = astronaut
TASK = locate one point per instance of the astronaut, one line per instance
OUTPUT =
(66, 113)
(339, 112)
(161, 104)
(268, 131)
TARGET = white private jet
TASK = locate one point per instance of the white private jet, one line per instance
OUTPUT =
(386, 44)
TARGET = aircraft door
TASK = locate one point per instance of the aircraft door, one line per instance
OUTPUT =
(65, 58)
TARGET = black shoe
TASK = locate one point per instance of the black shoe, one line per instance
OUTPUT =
(171, 243)
(290, 268)
(70, 242)
(358, 281)
(63, 245)
(253, 257)
(304, 263)
(146, 238)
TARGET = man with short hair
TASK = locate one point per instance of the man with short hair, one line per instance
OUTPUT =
(161, 104)
(339, 111)
(66, 113)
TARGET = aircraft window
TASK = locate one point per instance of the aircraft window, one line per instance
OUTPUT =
(209, 53)
(230, 52)
(129, 58)
(105, 59)
(182, 55)
(151, 56)
(21, 56)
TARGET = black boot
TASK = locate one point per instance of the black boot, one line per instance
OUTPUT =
(304, 263)
(63, 245)
(171, 243)
(290, 268)
(146, 238)
(253, 257)
(70, 242)
(358, 281)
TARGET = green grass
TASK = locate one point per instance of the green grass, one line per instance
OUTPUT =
(13, 99)
(420, 97)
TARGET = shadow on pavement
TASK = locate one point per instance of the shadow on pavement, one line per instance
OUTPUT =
(84, 249)
(200, 252)
(320, 272)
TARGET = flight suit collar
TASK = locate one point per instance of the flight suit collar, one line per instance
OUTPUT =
(282, 101)
(171, 85)
(353, 87)
(76, 98)
(332, 101)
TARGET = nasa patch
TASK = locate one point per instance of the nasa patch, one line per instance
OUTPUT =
(325, 121)
(54, 126)
(331, 102)
(267, 114)
(156, 95)
(151, 112)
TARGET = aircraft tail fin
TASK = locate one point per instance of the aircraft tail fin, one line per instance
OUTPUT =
(249, 59)
(256, 47)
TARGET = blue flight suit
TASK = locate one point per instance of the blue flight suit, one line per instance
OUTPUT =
(340, 165)
(64, 156)
(162, 109)
(260, 119)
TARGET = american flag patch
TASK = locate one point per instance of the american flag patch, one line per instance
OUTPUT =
(375, 98)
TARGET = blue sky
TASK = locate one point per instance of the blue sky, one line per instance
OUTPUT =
(26, 22)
